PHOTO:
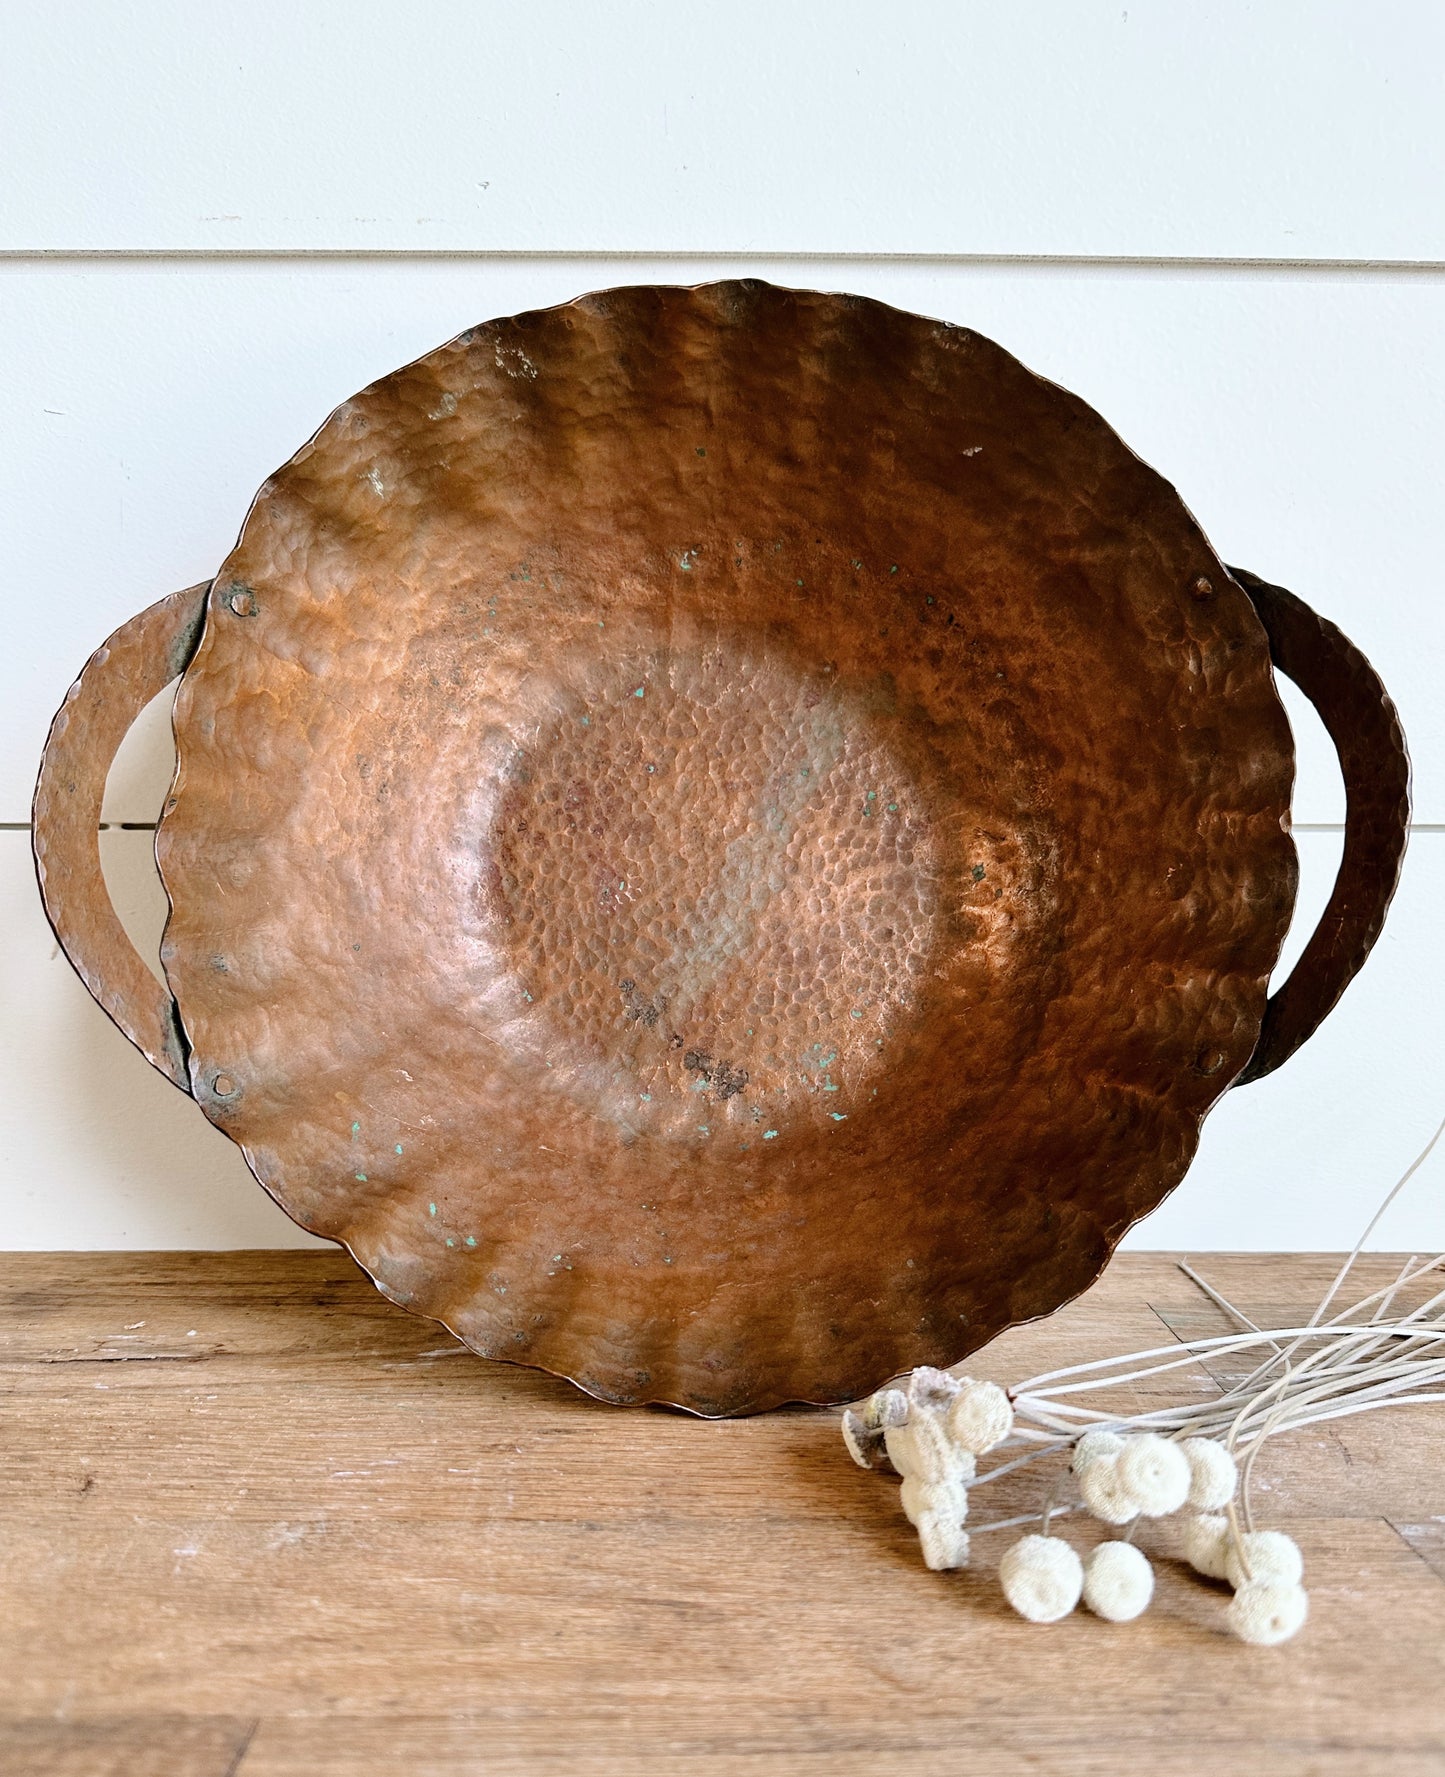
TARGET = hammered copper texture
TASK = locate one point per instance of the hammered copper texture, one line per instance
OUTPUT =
(725, 840)
(717, 845)
(120, 678)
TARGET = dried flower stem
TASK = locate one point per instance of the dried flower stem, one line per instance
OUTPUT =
(1335, 1365)
(935, 1427)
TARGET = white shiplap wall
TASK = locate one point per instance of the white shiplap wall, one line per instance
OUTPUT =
(1222, 225)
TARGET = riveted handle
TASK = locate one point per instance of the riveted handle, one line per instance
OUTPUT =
(1362, 722)
(119, 680)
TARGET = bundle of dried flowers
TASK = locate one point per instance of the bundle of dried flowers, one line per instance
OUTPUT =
(1197, 1457)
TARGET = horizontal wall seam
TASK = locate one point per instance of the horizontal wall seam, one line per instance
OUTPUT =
(159, 256)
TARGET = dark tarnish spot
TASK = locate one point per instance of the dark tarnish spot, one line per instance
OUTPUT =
(725, 1079)
(187, 640)
(639, 1009)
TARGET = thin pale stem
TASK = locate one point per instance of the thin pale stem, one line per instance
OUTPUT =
(1375, 1221)
(1222, 1301)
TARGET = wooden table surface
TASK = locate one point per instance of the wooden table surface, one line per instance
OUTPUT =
(257, 1521)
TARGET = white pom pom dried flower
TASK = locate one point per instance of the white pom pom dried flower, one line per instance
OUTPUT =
(1102, 1493)
(1266, 1612)
(937, 1510)
(1207, 1543)
(1267, 1555)
(931, 1389)
(1042, 1578)
(1153, 1473)
(944, 1542)
(1092, 1446)
(1213, 1476)
(864, 1444)
(919, 1498)
(922, 1447)
(979, 1416)
(888, 1407)
(1118, 1582)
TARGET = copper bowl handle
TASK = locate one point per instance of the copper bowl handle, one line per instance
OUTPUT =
(120, 678)
(147, 653)
(1365, 727)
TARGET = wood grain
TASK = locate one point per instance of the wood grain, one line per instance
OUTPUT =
(256, 1521)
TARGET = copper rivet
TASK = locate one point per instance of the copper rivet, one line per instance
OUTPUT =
(1203, 587)
(223, 1086)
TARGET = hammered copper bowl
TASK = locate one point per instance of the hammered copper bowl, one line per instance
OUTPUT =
(724, 840)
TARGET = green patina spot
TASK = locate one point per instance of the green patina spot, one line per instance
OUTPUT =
(641, 691)
(355, 1130)
(855, 1014)
(471, 1240)
(431, 1209)
(398, 1147)
(647, 1098)
(893, 808)
(360, 1177)
(700, 451)
(978, 873)
(770, 1135)
(450, 1241)
(839, 1116)
(894, 568)
(703, 1129)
